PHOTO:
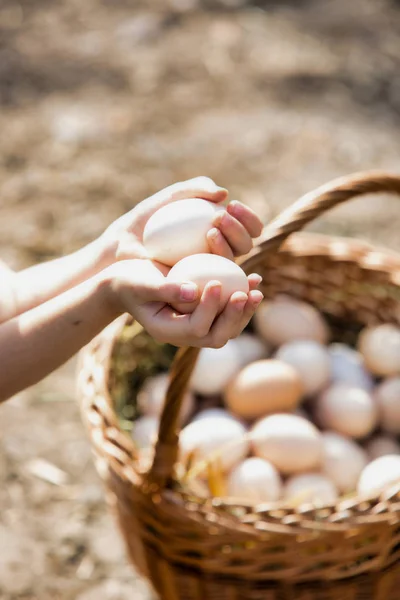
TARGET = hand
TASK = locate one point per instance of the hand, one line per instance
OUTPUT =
(140, 288)
(231, 235)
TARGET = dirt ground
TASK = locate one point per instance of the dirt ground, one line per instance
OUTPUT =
(102, 103)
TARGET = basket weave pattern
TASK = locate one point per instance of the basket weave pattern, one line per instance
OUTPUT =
(195, 549)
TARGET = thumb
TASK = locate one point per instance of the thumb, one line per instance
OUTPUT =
(168, 292)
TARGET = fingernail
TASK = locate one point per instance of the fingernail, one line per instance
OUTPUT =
(258, 301)
(213, 233)
(188, 291)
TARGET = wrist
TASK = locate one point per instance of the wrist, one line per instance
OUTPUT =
(106, 288)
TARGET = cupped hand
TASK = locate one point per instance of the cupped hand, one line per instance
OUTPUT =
(232, 234)
(140, 288)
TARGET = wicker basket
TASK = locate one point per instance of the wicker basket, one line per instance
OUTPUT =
(196, 549)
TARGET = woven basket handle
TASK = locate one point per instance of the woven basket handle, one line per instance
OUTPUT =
(294, 218)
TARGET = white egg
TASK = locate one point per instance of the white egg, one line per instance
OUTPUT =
(289, 442)
(348, 410)
(179, 229)
(381, 445)
(255, 480)
(213, 412)
(347, 366)
(380, 347)
(310, 487)
(380, 473)
(215, 438)
(387, 395)
(251, 348)
(214, 368)
(145, 431)
(311, 361)
(203, 268)
(152, 394)
(285, 320)
(343, 461)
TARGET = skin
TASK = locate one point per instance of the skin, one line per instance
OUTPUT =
(50, 311)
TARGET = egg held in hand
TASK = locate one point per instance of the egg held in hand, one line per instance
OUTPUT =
(289, 442)
(311, 361)
(263, 387)
(220, 439)
(255, 480)
(203, 268)
(179, 229)
(310, 487)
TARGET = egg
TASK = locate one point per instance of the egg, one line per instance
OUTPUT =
(290, 443)
(347, 366)
(380, 347)
(221, 438)
(347, 409)
(285, 320)
(387, 395)
(145, 431)
(380, 473)
(215, 413)
(203, 268)
(311, 361)
(343, 461)
(263, 387)
(179, 229)
(251, 348)
(152, 394)
(381, 445)
(310, 487)
(214, 368)
(255, 480)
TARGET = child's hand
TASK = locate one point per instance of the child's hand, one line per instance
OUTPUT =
(232, 235)
(140, 288)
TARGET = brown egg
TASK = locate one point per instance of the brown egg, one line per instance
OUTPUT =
(263, 387)
(387, 395)
(285, 320)
(380, 347)
(290, 443)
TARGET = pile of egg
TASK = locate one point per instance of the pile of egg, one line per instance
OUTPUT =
(286, 414)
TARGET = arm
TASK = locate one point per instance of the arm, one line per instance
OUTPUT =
(35, 285)
(35, 343)
(123, 240)
(40, 340)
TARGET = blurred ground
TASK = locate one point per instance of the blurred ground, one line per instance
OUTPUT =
(104, 102)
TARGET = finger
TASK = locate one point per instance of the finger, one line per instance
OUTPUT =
(253, 301)
(228, 323)
(168, 292)
(234, 232)
(254, 281)
(247, 217)
(218, 244)
(207, 310)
